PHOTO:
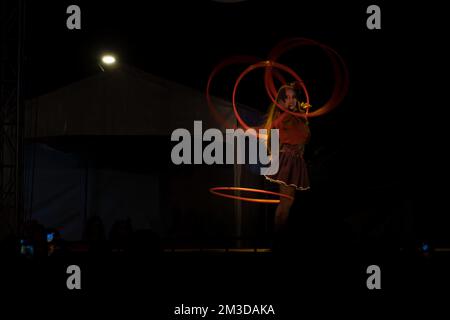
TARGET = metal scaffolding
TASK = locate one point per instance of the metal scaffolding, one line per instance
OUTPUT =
(11, 116)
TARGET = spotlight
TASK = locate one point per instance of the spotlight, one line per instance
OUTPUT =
(108, 59)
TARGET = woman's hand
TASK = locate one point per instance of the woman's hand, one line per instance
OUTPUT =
(305, 105)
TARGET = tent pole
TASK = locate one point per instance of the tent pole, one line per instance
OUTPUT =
(86, 181)
(238, 206)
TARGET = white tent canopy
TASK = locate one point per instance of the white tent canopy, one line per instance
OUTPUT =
(65, 189)
(121, 101)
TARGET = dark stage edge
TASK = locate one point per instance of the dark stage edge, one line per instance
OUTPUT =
(286, 279)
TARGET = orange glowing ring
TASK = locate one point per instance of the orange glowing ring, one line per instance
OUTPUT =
(216, 189)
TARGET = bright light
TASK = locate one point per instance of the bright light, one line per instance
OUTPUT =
(108, 59)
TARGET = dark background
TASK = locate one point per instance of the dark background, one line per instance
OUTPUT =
(385, 134)
(387, 140)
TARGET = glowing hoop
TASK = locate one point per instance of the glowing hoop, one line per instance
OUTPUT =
(228, 62)
(271, 70)
(265, 64)
(216, 189)
(339, 68)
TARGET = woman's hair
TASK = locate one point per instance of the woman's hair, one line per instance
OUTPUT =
(281, 96)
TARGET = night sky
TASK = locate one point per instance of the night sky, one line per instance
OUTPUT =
(184, 40)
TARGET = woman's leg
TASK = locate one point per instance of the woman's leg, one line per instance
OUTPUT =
(284, 206)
